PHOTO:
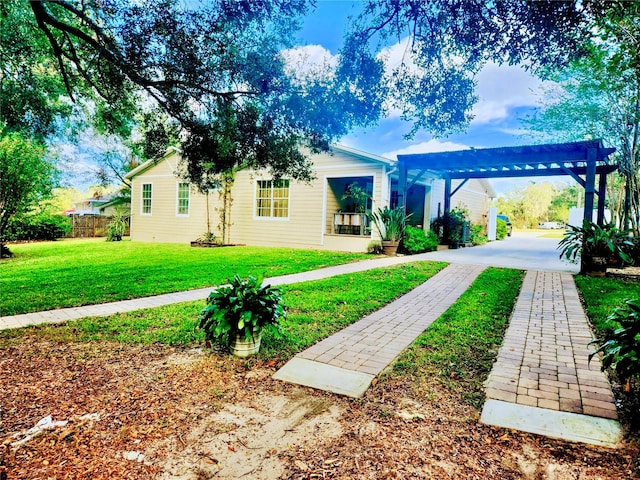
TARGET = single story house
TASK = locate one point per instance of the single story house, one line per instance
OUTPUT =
(263, 211)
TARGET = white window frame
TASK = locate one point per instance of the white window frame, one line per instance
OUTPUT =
(142, 199)
(256, 215)
(178, 214)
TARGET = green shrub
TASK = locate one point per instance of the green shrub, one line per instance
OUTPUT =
(37, 227)
(416, 240)
(501, 229)
(477, 235)
(620, 343)
(375, 247)
(118, 226)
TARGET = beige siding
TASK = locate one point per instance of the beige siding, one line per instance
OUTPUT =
(311, 206)
(310, 216)
(164, 224)
(471, 196)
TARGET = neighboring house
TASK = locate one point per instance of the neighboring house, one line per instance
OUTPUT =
(103, 205)
(285, 213)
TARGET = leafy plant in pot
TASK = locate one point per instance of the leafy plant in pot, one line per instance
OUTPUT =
(597, 247)
(390, 224)
(238, 313)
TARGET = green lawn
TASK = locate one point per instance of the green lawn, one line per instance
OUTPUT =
(602, 294)
(459, 349)
(70, 273)
(316, 309)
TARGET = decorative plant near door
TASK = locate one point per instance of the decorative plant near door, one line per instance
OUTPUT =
(358, 195)
(238, 313)
(390, 224)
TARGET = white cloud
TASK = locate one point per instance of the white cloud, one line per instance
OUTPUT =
(502, 87)
(310, 60)
(432, 146)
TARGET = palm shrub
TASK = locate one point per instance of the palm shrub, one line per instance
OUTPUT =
(416, 240)
(117, 226)
(593, 242)
(389, 222)
(620, 344)
(242, 309)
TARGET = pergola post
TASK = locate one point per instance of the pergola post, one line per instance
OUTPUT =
(402, 186)
(602, 190)
(447, 194)
(590, 184)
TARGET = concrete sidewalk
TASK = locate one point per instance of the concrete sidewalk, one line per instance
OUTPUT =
(111, 308)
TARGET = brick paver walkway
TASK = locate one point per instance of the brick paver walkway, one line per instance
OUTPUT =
(371, 344)
(543, 361)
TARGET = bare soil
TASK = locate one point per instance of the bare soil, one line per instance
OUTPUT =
(135, 412)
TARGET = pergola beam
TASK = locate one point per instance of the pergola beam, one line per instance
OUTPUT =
(576, 159)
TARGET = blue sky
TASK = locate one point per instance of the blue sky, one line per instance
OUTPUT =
(505, 94)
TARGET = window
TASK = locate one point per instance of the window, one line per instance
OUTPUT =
(146, 199)
(272, 199)
(183, 199)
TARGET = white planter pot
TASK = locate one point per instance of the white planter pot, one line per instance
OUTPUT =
(241, 347)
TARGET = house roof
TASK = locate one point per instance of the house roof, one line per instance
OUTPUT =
(335, 148)
(150, 163)
(362, 155)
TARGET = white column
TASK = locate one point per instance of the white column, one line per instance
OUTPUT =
(491, 224)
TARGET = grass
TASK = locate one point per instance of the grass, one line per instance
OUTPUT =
(460, 347)
(315, 310)
(70, 273)
(602, 294)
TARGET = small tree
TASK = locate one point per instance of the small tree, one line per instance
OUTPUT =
(26, 178)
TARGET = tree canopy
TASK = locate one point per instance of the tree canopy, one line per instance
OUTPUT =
(26, 177)
(598, 96)
(217, 68)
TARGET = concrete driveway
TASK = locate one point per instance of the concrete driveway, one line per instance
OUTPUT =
(525, 250)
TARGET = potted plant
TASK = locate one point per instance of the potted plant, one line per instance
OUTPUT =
(390, 224)
(239, 312)
(358, 195)
(597, 246)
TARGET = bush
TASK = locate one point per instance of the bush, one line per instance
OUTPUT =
(118, 226)
(375, 247)
(501, 229)
(477, 235)
(416, 240)
(37, 227)
(242, 308)
(620, 343)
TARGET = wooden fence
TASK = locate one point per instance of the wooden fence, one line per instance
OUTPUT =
(87, 226)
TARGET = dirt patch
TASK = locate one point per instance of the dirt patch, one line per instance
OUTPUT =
(244, 440)
(132, 412)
